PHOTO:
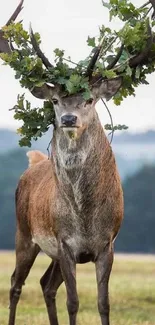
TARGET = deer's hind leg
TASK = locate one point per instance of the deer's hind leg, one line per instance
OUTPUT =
(26, 253)
(50, 283)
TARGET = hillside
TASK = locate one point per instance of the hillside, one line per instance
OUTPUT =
(9, 139)
(127, 137)
(132, 150)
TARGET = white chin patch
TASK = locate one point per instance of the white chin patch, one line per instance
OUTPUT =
(71, 132)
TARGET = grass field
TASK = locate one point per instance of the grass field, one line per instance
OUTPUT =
(132, 292)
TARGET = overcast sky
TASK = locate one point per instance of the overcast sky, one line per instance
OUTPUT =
(66, 24)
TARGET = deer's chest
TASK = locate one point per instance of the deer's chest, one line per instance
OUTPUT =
(47, 244)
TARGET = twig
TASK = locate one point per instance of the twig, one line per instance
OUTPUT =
(48, 151)
(98, 80)
(108, 47)
(111, 120)
(70, 61)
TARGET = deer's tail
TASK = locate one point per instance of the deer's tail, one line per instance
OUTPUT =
(35, 156)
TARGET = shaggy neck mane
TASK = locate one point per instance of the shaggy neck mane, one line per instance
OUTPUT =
(74, 156)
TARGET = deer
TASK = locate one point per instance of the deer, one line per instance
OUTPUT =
(70, 206)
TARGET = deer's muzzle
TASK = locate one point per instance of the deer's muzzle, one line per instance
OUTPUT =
(68, 120)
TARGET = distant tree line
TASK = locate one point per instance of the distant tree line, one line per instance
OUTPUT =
(12, 166)
(138, 229)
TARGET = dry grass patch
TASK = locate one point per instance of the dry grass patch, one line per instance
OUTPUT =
(132, 292)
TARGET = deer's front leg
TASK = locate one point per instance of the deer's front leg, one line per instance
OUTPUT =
(68, 269)
(103, 269)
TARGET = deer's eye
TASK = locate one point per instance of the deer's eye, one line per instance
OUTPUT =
(55, 101)
(89, 101)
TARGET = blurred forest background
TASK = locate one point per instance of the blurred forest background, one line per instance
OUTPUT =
(135, 156)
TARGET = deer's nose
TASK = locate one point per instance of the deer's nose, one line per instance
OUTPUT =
(68, 120)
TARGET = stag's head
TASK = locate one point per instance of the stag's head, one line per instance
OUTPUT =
(72, 112)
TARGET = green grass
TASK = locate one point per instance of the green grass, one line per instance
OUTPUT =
(132, 292)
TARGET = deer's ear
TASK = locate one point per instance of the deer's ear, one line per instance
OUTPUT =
(46, 91)
(107, 89)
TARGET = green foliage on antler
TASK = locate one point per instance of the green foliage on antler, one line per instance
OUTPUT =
(134, 36)
(124, 45)
(36, 121)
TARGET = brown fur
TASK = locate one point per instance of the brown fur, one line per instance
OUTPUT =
(37, 188)
(35, 156)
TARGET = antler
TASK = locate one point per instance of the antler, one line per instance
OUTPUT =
(92, 62)
(116, 59)
(138, 60)
(38, 51)
(4, 46)
(153, 5)
(16, 13)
